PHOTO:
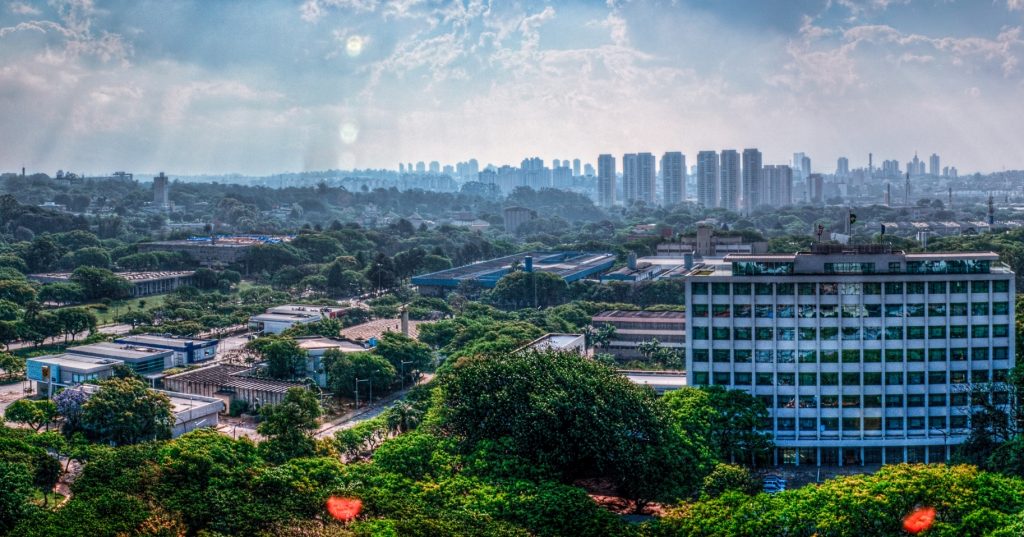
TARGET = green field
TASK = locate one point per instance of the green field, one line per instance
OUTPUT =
(106, 315)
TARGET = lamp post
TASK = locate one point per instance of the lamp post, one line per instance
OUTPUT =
(357, 391)
(403, 372)
(945, 443)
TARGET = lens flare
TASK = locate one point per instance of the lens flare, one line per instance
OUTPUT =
(919, 520)
(344, 509)
(354, 46)
(348, 132)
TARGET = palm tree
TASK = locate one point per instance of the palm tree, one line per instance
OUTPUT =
(403, 417)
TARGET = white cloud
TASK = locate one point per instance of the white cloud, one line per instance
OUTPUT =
(21, 8)
(1015, 5)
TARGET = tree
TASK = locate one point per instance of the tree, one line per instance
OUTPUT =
(69, 405)
(14, 494)
(344, 368)
(61, 293)
(92, 256)
(397, 348)
(35, 414)
(72, 321)
(381, 272)
(728, 420)
(101, 283)
(38, 327)
(530, 289)
(11, 365)
(729, 477)
(46, 472)
(17, 291)
(43, 254)
(289, 425)
(344, 282)
(125, 411)
(403, 417)
(285, 359)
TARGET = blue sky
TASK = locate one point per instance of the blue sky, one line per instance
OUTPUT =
(260, 87)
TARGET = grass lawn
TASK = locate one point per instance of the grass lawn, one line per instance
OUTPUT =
(106, 314)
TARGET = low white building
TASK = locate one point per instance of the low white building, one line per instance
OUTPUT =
(280, 318)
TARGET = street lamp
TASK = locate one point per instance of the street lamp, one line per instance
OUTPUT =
(945, 442)
(403, 372)
(357, 391)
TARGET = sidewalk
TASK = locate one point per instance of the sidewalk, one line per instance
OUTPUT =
(352, 418)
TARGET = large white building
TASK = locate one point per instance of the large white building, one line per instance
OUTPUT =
(777, 185)
(707, 179)
(673, 178)
(862, 355)
(605, 180)
(752, 182)
(729, 180)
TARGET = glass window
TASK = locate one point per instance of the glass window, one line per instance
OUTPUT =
(742, 310)
(915, 310)
(787, 424)
(851, 424)
(764, 311)
(763, 289)
(915, 288)
(851, 378)
(829, 357)
(894, 310)
(915, 423)
(958, 399)
(979, 308)
(979, 375)
(700, 355)
(744, 379)
(872, 355)
(807, 424)
(958, 309)
(829, 401)
(894, 332)
(1000, 330)
(937, 332)
(807, 311)
(936, 377)
(808, 356)
(851, 289)
(720, 310)
(1000, 375)
(936, 288)
(958, 422)
(828, 289)
(851, 356)
(699, 310)
(742, 356)
(700, 288)
(829, 424)
(958, 377)
(828, 311)
(894, 424)
(851, 333)
(720, 333)
(700, 378)
(742, 333)
(1000, 286)
(808, 379)
(893, 355)
(700, 332)
(851, 401)
(936, 310)
(785, 401)
(894, 288)
(958, 354)
(958, 331)
(873, 310)
(805, 289)
(1000, 308)
(784, 311)
(872, 333)
(936, 355)
(915, 355)
(915, 332)
(720, 288)
(937, 399)
(764, 333)
(721, 378)
(894, 377)
(979, 330)
(999, 353)
(958, 286)
(764, 356)
(894, 266)
(785, 356)
(787, 334)
(785, 288)
(786, 379)
(720, 355)
(873, 378)
(854, 310)
(915, 377)
(741, 288)
(873, 288)
(808, 333)
(872, 401)
(764, 379)
(979, 286)
(915, 400)
(830, 379)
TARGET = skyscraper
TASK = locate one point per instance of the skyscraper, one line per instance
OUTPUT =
(556, 164)
(576, 167)
(588, 169)
(435, 166)
(778, 181)
(421, 167)
(673, 178)
(160, 191)
(647, 173)
(752, 187)
(606, 180)
(629, 173)
(707, 179)
(933, 164)
(843, 167)
(729, 180)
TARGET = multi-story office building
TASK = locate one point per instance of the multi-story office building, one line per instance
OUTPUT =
(778, 181)
(843, 167)
(752, 187)
(729, 180)
(933, 165)
(863, 355)
(576, 167)
(673, 178)
(606, 180)
(707, 179)
(160, 199)
(633, 328)
(638, 174)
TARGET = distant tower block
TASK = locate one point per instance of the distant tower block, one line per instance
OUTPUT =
(160, 191)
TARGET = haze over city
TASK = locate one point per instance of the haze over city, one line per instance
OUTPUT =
(265, 87)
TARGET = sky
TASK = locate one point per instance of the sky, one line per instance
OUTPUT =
(261, 87)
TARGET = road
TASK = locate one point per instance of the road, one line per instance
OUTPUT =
(112, 329)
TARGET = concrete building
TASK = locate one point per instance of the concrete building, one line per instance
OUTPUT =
(933, 165)
(863, 355)
(517, 216)
(605, 180)
(230, 383)
(63, 370)
(842, 167)
(635, 327)
(216, 251)
(186, 351)
(706, 244)
(659, 381)
(280, 318)
(160, 198)
(778, 181)
(673, 178)
(571, 266)
(316, 347)
(729, 180)
(753, 190)
(146, 361)
(143, 283)
(576, 343)
(707, 179)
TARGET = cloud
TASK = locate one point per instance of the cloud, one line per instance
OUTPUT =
(21, 8)
(1015, 5)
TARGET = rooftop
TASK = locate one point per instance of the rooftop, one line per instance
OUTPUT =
(557, 342)
(119, 351)
(166, 340)
(130, 276)
(75, 362)
(377, 327)
(229, 241)
(232, 376)
(324, 343)
(653, 316)
(569, 265)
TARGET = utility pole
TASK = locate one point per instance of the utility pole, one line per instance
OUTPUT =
(403, 372)
(357, 391)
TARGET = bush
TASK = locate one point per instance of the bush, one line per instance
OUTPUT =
(238, 407)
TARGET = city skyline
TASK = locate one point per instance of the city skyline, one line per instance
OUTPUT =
(329, 84)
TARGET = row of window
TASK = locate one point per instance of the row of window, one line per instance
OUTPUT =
(872, 455)
(849, 378)
(856, 424)
(830, 311)
(914, 400)
(811, 356)
(852, 288)
(847, 333)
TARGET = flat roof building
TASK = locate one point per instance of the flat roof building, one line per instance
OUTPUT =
(143, 360)
(632, 328)
(62, 370)
(230, 383)
(186, 351)
(216, 251)
(143, 283)
(559, 342)
(571, 266)
(280, 318)
(316, 347)
(862, 354)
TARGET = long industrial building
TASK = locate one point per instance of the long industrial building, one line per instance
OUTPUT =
(571, 266)
(863, 355)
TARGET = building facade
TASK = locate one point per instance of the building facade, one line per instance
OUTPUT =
(707, 179)
(673, 178)
(752, 185)
(862, 355)
(729, 180)
(778, 181)
(605, 180)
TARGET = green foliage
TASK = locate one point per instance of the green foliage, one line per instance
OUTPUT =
(529, 289)
(35, 414)
(728, 421)
(100, 283)
(344, 368)
(729, 477)
(17, 485)
(289, 425)
(397, 348)
(285, 359)
(125, 411)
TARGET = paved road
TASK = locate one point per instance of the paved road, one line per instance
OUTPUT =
(113, 329)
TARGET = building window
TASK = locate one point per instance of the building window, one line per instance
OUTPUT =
(764, 356)
(829, 333)
(915, 332)
(980, 286)
(937, 310)
(958, 354)
(936, 288)
(937, 453)
(720, 333)
(872, 424)
(979, 375)
(699, 288)
(851, 424)
(808, 333)
(1000, 353)
(915, 454)
(742, 333)
(958, 286)
(873, 378)
(719, 288)
(958, 309)
(915, 400)
(829, 357)
(700, 332)
(805, 289)
(894, 400)
(807, 311)
(936, 399)
(720, 310)
(787, 334)
(830, 379)
(979, 330)
(829, 401)
(979, 308)
(894, 310)
(742, 311)
(1000, 330)
(828, 289)
(894, 332)
(959, 398)
(891, 424)
(894, 377)
(1000, 375)
(936, 355)
(763, 289)
(1001, 286)
(915, 288)
(720, 355)
(958, 331)
(958, 422)
(915, 423)
(808, 356)
(936, 377)
(915, 377)
(764, 379)
(1000, 308)
(915, 310)
(784, 311)
(700, 355)
(721, 378)
(937, 332)
(808, 379)
(851, 356)
(851, 378)
(785, 356)
(699, 310)
(786, 379)
(894, 288)
(742, 356)
(893, 355)
(851, 333)
(700, 378)
(743, 379)
(872, 288)
(741, 288)
(784, 288)
(979, 353)
(764, 333)
(915, 355)
(807, 424)
(829, 312)
(873, 310)
(764, 311)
